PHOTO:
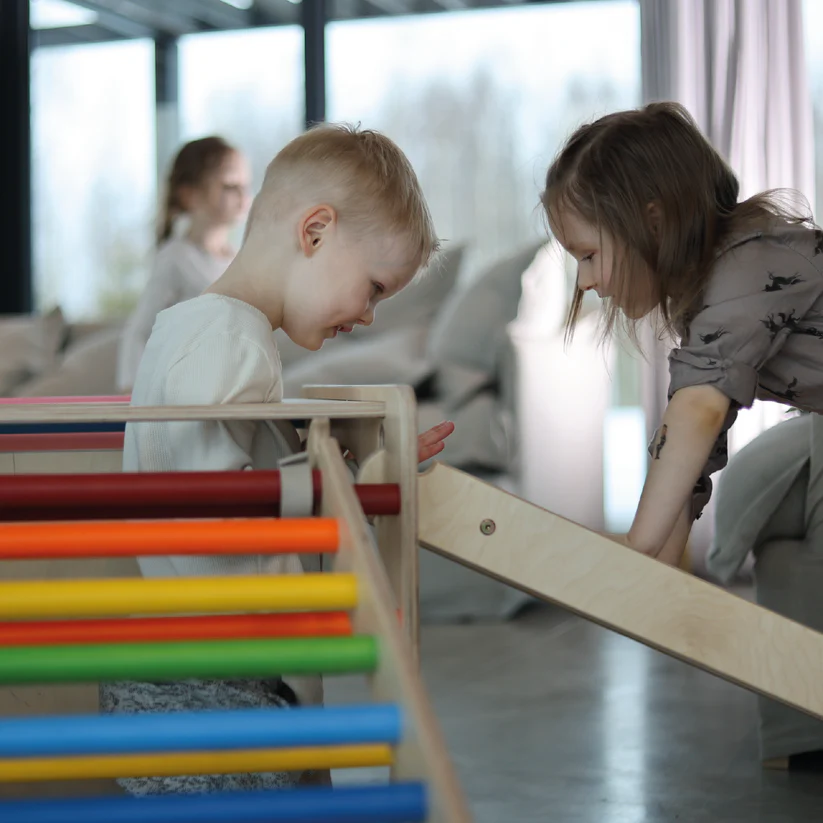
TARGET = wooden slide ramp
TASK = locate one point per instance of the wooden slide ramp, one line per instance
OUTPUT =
(541, 553)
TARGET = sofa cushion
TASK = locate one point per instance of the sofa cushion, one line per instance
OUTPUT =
(88, 368)
(472, 324)
(30, 345)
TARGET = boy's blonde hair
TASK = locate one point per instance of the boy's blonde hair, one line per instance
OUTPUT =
(361, 173)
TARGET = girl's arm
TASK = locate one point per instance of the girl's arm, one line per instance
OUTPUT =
(672, 551)
(693, 420)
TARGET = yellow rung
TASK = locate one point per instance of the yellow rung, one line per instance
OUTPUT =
(187, 763)
(94, 598)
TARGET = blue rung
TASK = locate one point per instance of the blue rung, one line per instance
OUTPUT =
(204, 730)
(395, 803)
(60, 428)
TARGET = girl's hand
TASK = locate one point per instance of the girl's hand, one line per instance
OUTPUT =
(431, 442)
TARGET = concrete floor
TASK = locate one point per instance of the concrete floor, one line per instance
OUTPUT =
(551, 718)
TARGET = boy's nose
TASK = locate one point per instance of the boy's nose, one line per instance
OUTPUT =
(368, 318)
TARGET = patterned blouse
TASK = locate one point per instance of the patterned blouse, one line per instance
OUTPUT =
(759, 333)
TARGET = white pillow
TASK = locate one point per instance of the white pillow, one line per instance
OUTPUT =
(471, 326)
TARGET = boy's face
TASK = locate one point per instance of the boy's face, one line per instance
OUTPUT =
(340, 279)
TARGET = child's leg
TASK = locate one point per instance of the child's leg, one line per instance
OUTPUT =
(308, 691)
(198, 695)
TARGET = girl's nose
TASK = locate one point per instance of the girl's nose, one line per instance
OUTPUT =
(584, 283)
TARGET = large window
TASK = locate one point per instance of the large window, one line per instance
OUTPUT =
(245, 86)
(480, 101)
(93, 175)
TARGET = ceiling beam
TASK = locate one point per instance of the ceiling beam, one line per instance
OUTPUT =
(213, 13)
(153, 20)
(72, 36)
(391, 7)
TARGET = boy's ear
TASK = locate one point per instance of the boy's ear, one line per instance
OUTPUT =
(313, 228)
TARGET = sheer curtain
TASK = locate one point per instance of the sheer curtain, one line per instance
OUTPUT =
(739, 67)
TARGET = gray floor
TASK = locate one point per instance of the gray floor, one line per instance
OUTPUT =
(551, 718)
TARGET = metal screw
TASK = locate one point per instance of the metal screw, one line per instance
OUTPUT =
(488, 527)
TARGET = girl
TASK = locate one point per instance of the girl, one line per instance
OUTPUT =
(651, 213)
(209, 184)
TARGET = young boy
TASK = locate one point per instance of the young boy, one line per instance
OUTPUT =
(340, 224)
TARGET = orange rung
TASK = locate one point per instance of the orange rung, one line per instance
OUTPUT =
(56, 540)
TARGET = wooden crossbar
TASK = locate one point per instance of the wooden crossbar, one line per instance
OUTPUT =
(103, 413)
(541, 553)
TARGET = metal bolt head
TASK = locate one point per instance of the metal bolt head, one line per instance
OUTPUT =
(488, 527)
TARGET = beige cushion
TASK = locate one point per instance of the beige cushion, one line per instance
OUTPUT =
(471, 326)
(30, 345)
(88, 368)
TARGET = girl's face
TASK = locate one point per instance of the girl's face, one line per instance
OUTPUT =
(598, 256)
(223, 199)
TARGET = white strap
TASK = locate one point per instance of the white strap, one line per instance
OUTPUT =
(296, 487)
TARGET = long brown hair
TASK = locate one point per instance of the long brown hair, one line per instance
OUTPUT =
(192, 163)
(612, 170)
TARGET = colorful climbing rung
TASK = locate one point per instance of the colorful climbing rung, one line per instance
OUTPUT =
(221, 659)
(91, 767)
(126, 596)
(71, 735)
(148, 629)
(42, 541)
(164, 494)
(395, 803)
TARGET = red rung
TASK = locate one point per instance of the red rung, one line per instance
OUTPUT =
(58, 442)
(153, 495)
(168, 629)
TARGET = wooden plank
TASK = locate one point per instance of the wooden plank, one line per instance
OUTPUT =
(663, 607)
(422, 753)
(396, 535)
(122, 413)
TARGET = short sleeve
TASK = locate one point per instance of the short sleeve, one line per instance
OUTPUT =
(756, 292)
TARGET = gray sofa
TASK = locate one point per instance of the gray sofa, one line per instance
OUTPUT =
(770, 509)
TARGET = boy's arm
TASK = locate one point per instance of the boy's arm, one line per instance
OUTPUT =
(691, 425)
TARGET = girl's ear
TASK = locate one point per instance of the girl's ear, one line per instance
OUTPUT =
(654, 215)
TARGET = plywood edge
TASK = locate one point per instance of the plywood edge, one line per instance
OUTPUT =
(663, 607)
(422, 754)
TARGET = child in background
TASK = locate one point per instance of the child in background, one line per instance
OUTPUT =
(208, 184)
(651, 213)
(339, 225)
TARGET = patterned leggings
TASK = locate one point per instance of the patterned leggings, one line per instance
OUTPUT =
(198, 695)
